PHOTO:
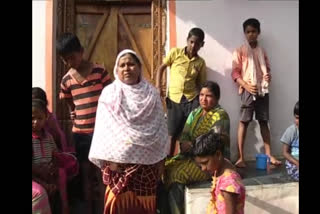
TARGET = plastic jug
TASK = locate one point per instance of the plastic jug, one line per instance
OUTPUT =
(262, 161)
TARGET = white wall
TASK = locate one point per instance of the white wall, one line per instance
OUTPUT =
(38, 43)
(222, 22)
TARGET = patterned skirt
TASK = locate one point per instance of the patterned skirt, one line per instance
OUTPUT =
(183, 170)
(292, 170)
(133, 190)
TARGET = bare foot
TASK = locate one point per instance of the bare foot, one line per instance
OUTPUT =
(240, 163)
(274, 161)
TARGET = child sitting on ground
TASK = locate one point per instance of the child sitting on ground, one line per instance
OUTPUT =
(227, 191)
(290, 148)
(52, 125)
(48, 165)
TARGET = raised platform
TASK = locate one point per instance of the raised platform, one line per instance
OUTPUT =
(266, 192)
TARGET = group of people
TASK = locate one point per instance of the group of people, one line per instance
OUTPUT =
(121, 134)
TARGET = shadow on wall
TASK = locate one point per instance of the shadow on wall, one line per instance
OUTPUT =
(230, 101)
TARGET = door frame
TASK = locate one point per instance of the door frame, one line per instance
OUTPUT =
(66, 23)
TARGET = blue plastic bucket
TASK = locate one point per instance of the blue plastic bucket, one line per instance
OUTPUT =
(262, 161)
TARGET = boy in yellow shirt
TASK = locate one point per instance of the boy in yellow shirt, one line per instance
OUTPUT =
(187, 74)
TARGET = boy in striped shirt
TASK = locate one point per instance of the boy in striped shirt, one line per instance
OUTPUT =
(81, 87)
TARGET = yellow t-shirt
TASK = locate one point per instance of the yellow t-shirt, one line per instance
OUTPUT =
(186, 75)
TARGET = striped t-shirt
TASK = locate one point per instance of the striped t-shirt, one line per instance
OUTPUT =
(85, 96)
(42, 148)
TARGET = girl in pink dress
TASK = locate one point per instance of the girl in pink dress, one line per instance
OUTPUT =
(227, 191)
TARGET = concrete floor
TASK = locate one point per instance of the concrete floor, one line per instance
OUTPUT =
(261, 187)
(276, 174)
(251, 171)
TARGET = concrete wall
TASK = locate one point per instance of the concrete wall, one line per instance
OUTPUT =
(38, 43)
(263, 199)
(273, 198)
(43, 51)
(222, 22)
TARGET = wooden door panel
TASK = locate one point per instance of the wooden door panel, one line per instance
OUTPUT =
(106, 47)
(140, 26)
(86, 25)
(123, 41)
(102, 33)
(98, 30)
(131, 25)
(134, 9)
(107, 30)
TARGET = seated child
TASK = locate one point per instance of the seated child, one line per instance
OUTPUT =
(52, 125)
(227, 191)
(48, 165)
(290, 148)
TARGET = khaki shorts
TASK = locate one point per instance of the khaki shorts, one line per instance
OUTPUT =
(260, 106)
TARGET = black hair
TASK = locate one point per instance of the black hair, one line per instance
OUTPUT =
(213, 88)
(68, 43)
(39, 104)
(296, 109)
(208, 144)
(136, 59)
(251, 22)
(196, 32)
(39, 93)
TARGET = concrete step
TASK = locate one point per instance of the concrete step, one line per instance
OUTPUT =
(266, 192)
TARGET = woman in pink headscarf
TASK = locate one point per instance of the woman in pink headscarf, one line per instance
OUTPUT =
(130, 139)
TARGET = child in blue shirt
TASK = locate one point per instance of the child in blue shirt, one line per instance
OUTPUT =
(290, 148)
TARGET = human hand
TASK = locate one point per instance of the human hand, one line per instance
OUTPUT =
(185, 146)
(267, 77)
(252, 89)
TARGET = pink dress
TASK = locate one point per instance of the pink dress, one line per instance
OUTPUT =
(229, 181)
(40, 201)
